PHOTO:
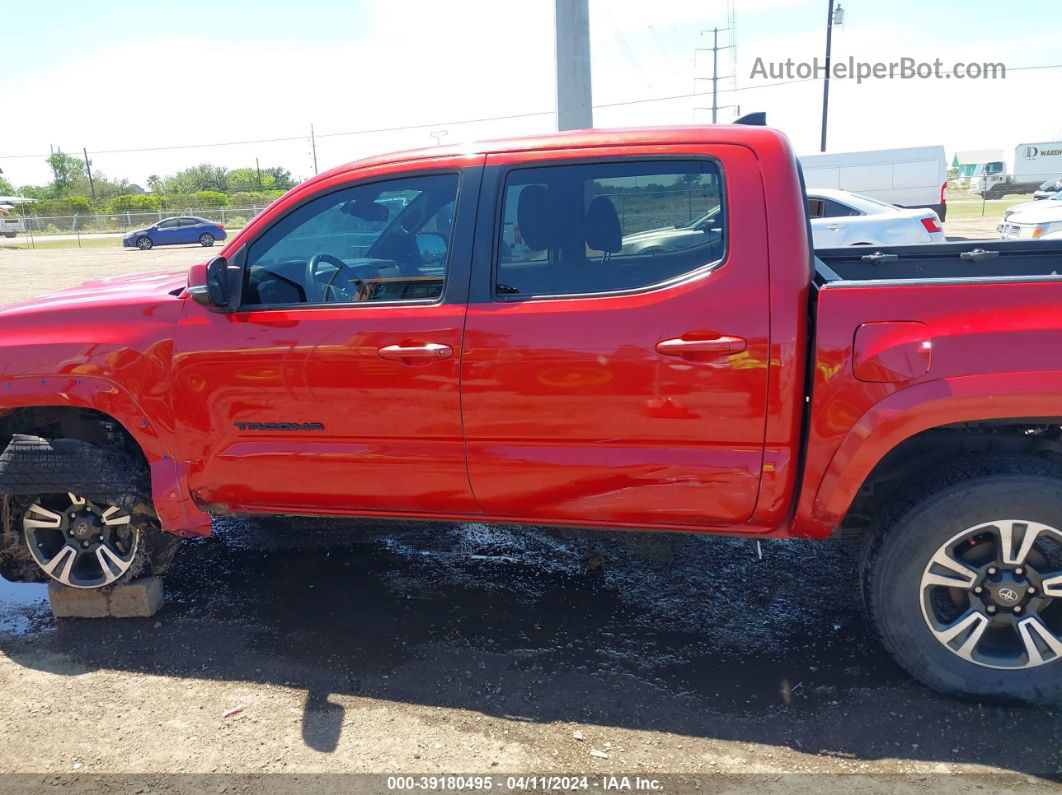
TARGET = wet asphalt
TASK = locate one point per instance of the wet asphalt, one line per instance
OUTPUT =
(697, 636)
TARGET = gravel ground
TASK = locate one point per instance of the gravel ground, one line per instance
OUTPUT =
(366, 647)
(28, 273)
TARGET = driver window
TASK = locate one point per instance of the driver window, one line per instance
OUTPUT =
(381, 241)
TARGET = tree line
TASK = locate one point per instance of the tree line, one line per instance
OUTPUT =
(72, 192)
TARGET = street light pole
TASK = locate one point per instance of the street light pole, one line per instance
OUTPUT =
(832, 18)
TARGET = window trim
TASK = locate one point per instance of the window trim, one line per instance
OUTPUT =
(466, 181)
(674, 281)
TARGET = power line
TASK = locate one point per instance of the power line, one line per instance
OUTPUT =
(435, 124)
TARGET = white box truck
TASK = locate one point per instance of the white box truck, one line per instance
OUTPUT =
(914, 176)
(1032, 166)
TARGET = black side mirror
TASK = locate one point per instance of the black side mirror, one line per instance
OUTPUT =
(217, 282)
(208, 284)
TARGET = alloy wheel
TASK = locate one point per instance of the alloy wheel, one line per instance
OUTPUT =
(79, 543)
(993, 594)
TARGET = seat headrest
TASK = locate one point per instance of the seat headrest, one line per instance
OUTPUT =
(603, 232)
(534, 216)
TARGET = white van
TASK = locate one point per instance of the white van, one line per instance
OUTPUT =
(911, 177)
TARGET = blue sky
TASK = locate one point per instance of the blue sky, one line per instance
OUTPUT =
(123, 75)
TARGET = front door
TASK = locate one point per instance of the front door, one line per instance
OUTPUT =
(334, 388)
(166, 232)
(616, 346)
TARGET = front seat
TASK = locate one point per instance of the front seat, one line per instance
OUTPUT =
(602, 227)
(535, 218)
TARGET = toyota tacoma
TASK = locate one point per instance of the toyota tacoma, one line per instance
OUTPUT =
(475, 333)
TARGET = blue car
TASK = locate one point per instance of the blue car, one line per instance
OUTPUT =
(175, 231)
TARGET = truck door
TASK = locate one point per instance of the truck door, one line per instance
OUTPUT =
(334, 387)
(616, 345)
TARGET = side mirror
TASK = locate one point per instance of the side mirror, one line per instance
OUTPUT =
(218, 282)
(209, 284)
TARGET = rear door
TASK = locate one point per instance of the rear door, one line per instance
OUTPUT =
(616, 345)
(188, 231)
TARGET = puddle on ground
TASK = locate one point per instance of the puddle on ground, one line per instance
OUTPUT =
(23, 606)
(433, 611)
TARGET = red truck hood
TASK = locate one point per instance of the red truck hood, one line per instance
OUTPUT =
(112, 290)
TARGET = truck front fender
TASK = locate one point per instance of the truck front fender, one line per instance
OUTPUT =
(918, 408)
(174, 505)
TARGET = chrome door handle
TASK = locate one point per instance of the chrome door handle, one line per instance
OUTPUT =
(834, 227)
(430, 350)
(720, 345)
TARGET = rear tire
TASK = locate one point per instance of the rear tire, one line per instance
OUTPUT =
(965, 516)
(144, 243)
(206, 240)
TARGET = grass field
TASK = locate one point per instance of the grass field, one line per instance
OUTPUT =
(967, 205)
(45, 242)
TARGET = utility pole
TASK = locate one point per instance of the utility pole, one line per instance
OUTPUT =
(258, 170)
(715, 48)
(715, 75)
(572, 44)
(832, 18)
(88, 168)
(313, 144)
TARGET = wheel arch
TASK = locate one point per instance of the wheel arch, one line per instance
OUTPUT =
(83, 407)
(909, 431)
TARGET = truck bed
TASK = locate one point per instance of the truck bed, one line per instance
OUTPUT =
(970, 260)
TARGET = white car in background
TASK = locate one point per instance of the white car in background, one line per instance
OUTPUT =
(1032, 220)
(840, 218)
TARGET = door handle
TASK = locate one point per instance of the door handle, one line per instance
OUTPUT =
(430, 350)
(834, 227)
(720, 346)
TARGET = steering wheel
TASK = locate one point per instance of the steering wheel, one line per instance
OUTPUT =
(313, 282)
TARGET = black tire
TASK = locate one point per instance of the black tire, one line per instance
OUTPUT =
(206, 240)
(33, 469)
(995, 193)
(144, 242)
(9, 234)
(968, 495)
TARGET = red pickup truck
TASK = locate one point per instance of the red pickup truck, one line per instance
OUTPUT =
(616, 329)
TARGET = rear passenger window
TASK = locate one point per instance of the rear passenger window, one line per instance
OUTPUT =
(837, 210)
(602, 227)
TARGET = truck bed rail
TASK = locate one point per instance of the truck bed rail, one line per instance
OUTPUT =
(963, 261)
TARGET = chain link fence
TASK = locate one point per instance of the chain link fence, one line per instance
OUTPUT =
(92, 223)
